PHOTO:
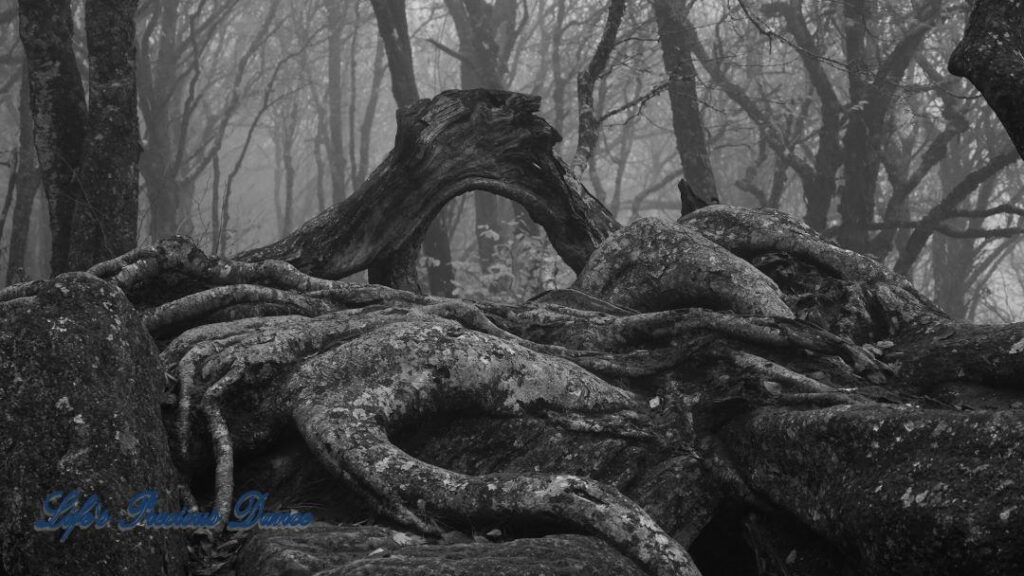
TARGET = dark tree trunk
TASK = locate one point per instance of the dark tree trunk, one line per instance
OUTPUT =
(160, 97)
(105, 222)
(58, 111)
(990, 57)
(88, 156)
(560, 80)
(370, 115)
(589, 125)
(951, 260)
(287, 144)
(872, 90)
(676, 37)
(485, 42)
(336, 134)
(26, 184)
(394, 32)
(457, 143)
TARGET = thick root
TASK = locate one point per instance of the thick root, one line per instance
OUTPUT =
(652, 266)
(413, 370)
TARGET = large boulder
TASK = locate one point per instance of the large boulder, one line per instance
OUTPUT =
(80, 385)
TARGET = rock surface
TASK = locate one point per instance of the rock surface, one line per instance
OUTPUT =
(372, 550)
(80, 380)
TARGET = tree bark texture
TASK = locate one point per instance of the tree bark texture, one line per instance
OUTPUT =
(105, 222)
(58, 111)
(989, 55)
(458, 142)
(88, 155)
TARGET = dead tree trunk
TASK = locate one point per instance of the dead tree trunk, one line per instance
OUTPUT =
(459, 142)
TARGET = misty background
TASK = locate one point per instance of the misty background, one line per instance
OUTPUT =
(258, 115)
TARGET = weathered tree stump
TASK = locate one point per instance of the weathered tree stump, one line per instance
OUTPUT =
(459, 142)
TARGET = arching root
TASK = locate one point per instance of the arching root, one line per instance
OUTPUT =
(360, 374)
(450, 369)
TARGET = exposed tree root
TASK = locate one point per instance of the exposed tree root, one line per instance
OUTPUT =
(650, 266)
(747, 233)
(775, 377)
(402, 367)
(868, 299)
(363, 373)
(727, 399)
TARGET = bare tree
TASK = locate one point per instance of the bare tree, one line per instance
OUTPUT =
(677, 40)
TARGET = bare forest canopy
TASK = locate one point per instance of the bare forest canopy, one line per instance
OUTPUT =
(254, 117)
(538, 377)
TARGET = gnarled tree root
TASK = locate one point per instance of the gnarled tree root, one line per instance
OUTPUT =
(403, 368)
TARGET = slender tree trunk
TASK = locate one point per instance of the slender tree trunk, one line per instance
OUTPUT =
(26, 183)
(559, 81)
(158, 94)
(320, 143)
(336, 157)
(674, 34)
(589, 124)
(278, 174)
(394, 33)
(366, 128)
(948, 271)
(104, 225)
(856, 201)
(485, 38)
(288, 160)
